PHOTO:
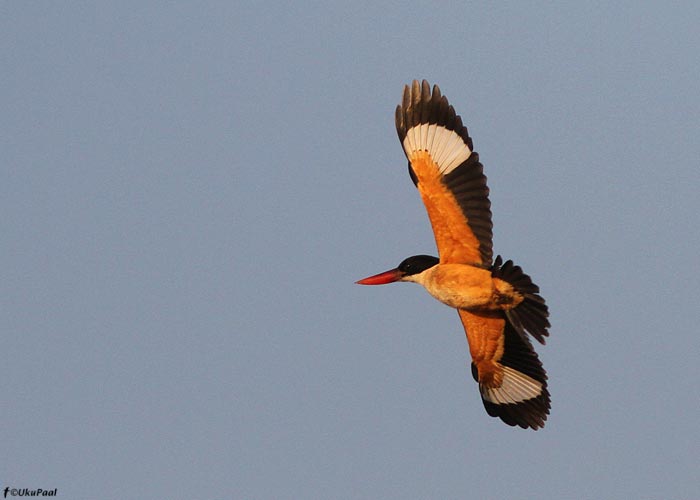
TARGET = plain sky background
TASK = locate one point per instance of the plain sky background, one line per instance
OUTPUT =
(189, 191)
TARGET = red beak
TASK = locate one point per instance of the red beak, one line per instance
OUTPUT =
(382, 278)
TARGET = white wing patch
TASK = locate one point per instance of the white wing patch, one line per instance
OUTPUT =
(445, 146)
(516, 388)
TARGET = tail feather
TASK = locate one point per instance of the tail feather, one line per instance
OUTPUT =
(530, 316)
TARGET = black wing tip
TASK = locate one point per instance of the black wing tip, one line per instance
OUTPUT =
(420, 105)
(529, 414)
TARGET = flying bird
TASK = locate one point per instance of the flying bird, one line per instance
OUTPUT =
(498, 303)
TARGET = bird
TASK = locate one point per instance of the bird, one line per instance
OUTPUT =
(498, 304)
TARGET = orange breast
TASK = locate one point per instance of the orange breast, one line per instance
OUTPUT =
(460, 286)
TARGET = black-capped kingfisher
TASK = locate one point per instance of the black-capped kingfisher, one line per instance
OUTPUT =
(498, 303)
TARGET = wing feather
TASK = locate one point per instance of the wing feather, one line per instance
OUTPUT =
(512, 381)
(448, 175)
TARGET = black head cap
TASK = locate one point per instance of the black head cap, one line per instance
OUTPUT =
(417, 264)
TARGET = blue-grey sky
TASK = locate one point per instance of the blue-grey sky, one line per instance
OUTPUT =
(189, 192)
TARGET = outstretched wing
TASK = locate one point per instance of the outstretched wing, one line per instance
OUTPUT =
(512, 381)
(447, 173)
